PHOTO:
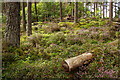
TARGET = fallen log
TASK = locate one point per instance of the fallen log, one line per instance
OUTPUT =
(72, 63)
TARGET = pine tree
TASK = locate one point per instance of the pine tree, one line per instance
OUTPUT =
(36, 12)
(23, 16)
(110, 10)
(12, 33)
(60, 10)
(29, 26)
(76, 12)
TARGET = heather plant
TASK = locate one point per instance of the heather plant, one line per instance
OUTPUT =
(51, 27)
(53, 48)
(35, 39)
(57, 38)
(73, 39)
(72, 50)
(103, 73)
(41, 54)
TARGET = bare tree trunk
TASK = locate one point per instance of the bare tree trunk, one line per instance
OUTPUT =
(36, 12)
(86, 8)
(23, 16)
(60, 10)
(76, 12)
(72, 9)
(91, 9)
(3, 7)
(106, 9)
(103, 10)
(115, 9)
(110, 11)
(12, 33)
(119, 11)
(94, 8)
(29, 26)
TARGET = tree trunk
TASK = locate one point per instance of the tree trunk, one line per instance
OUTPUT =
(100, 8)
(110, 11)
(91, 9)
(103, 10)
(12, 33)
(36, 12)
(60, 10)
(72, 63)
(115, 9)
(76, 12)
(72, 9)
(23, 16)
(86, 8)
(119, 29)
(119, 10)
(29, 26)
(94, 8)
(3, 7)
(106, 9)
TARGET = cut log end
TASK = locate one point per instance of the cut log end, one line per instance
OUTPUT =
(65, 66)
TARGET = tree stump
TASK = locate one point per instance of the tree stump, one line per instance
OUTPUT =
(72, 63)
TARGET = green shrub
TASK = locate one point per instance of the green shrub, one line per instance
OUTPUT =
(73, 39)
(51, 27)
(35, 39)
(66, 24)
(94, 35)
(53, 48)
(105, 37)
(39, 70)
(8, 58)
(57, 38)
(4, 18)
(71, 51)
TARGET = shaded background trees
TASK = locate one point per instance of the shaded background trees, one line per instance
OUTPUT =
(50, 11)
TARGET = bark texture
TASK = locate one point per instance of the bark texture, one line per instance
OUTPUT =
(110, 11)
(36, 12)
(60, 10)
(29, 26)
(12, 33)
(72, 63)
(119, 11)
(106, 9)
(115, 9)
(76, 12)
(94, 8)
(103, 10)
(86, 9)
(23, 16)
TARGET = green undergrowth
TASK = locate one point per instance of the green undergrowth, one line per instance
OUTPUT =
(41, 54)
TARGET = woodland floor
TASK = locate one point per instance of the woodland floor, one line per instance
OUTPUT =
(41, 54)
